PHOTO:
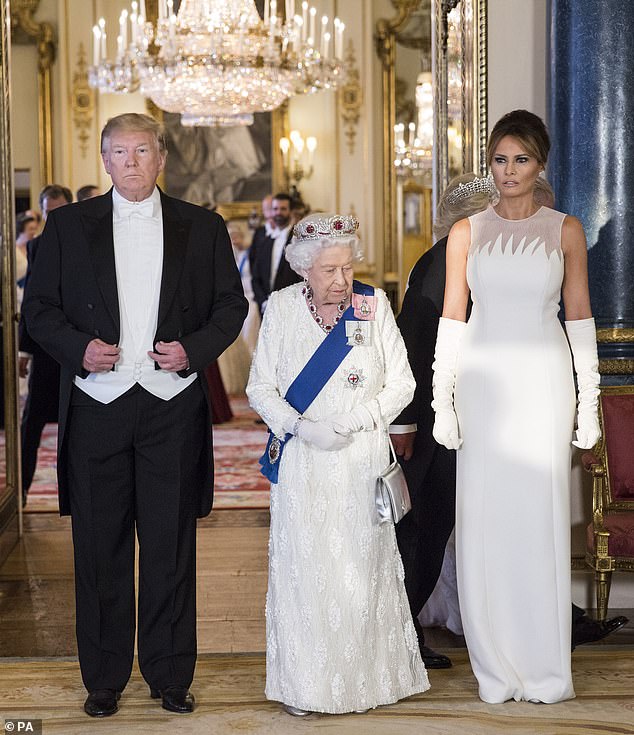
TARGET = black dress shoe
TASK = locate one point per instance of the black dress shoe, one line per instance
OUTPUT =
(433, 660)
(102, 703)
(175, 698)
(587, 630)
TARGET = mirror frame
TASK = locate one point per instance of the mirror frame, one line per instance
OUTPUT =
(473, 29)
(10, 501)
(43, 36)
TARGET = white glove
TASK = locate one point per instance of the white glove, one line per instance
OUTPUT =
(445, 429)
(582, 336)
(322, 435)
(359, 419)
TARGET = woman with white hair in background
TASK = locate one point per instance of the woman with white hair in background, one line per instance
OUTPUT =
(329, 374)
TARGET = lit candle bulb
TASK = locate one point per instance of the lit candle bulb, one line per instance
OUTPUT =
(313, 13)
(339, 26)
(325, 45)
(266, 12)
(412, 133)
(134, 23)
(311, 144)
(142, 12)
(304, 20)
(273, 17)
(324, 25)
(123, 28)
(285, 145)
(119, 46)
(161, 10)
(102, 28)
(96, 37)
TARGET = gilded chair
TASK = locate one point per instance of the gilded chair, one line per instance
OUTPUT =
(610, 535)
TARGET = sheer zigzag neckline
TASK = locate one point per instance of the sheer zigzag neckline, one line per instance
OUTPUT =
(523, 246)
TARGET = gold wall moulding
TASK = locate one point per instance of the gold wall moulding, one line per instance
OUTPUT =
(83, 101)
(616, 366)
(26, 29)
(615, 335)
(351, 97)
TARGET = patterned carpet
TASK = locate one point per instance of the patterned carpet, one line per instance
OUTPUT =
(237, 446)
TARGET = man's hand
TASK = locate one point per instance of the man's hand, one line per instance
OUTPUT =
(100, 356)
(404, 444)
(170, 356)
(23, 366)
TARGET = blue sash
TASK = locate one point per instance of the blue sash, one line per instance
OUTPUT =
(313, 377)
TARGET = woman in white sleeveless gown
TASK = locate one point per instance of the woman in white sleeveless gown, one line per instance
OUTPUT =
(339, 632)
(513, 420)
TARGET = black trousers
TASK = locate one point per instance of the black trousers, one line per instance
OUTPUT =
(423, 533)
(134, 464)
(41, 407)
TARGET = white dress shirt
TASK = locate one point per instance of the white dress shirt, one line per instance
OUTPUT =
(138, 251)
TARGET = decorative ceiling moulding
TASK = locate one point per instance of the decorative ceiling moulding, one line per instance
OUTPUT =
(351, 97)
(83, 101)
(385, 37)
(25, 29)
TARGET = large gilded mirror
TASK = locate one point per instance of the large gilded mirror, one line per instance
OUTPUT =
(9, 449)
(460, 84)
(433, 54)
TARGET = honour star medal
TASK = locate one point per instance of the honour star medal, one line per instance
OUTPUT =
(274, 450)
(365, 307)
(354, 378)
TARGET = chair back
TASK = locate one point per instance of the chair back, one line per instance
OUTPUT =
(617, 418)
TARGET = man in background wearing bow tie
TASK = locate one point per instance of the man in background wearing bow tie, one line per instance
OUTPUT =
(270, 270)
(134, 293)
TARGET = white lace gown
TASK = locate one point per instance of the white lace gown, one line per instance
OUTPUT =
(339, 632)
(515, 403)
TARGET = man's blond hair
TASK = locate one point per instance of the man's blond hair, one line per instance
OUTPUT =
(134, 122)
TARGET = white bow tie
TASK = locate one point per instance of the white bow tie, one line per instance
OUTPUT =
(143, 209)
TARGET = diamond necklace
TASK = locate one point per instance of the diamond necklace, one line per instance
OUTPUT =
(341, 307)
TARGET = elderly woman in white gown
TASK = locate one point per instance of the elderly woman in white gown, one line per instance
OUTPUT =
(329, 374)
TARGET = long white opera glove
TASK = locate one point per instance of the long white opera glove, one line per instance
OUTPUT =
(445, 429)
(359, 419)
(321, 434)
(582, 336)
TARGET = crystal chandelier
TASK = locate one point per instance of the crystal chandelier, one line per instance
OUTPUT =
(414, 155)
(216, 62)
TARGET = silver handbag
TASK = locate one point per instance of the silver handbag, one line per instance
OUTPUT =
(391, 493)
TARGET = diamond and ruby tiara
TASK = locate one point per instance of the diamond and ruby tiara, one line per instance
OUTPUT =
(484, 185)
(338, 225)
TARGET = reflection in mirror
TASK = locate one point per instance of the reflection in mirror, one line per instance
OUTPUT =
(413, 139)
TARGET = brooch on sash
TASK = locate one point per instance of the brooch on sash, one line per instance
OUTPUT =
(274, 450)
(364, 306)
(359, 334)
(354, 377)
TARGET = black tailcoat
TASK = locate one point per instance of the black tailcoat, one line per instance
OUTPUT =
(72, 298)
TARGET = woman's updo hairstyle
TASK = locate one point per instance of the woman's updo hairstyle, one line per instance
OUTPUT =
(527, 128)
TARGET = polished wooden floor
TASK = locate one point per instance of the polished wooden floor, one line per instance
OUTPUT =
(39, 676)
